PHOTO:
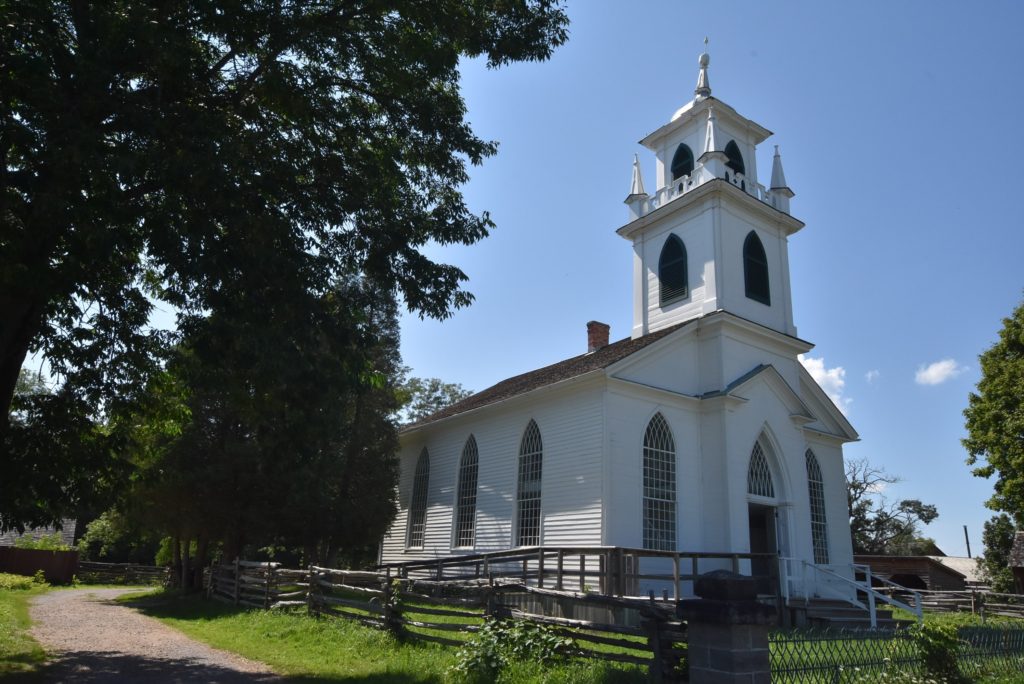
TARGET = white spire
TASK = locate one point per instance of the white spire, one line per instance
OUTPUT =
(703, 88)
(709, 137)
(637, 188)
(778, 176)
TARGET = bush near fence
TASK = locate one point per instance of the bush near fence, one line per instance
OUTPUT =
(58, 566)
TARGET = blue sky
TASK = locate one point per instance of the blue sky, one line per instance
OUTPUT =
(899, 126)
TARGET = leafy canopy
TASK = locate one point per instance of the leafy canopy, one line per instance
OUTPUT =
(995, 418)
(172, 152)
(422, 397)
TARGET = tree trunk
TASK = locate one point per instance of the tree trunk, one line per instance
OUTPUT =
(21, 322)
(202, 548)
(186, 575)
(176, 561)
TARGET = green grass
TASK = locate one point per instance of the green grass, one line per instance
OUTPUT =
(334, 650)
(20, 654)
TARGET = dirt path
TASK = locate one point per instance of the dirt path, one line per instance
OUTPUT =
(93, 639)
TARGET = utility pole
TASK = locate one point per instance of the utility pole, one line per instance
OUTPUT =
(968, 540)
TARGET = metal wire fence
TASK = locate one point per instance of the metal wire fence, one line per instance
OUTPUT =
(837, 657)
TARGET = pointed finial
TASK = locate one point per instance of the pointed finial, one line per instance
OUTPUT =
(703, 88)
(778, 177)
(637, 187)
(709, 137)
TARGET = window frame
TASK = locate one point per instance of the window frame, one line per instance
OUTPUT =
(659, 487)
(756, 280)
(418, 502)
(529, 514)
(466, 488)
(734, 158)
(818, 513)
(688, 161)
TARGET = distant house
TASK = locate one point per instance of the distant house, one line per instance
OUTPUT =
(67, 533)
(701, 431)
(930, 573)
(1017, 562)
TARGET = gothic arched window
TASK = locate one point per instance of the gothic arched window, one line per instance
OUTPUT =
(531, 454)
(465, 507)
(735, 159)
(682, 161)
(659, 486)
(759, 475)
(819, 525)
(755, 270)
(672, 277)
(418, 506)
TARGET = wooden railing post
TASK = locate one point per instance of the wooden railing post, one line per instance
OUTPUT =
(558, 576)
(583, 573)
(675, 577)
(269, 576)
(540, 568)
(238, 580)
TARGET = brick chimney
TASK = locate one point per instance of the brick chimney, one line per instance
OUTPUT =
(597, 335)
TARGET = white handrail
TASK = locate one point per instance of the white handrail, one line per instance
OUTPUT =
(866, 587)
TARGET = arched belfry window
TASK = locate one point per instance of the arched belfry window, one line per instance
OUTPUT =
(465, 507)
(755, 270)
(819, 524)
(734, 159)
(672, 276)
(759, 475)
(659, 486)
(418, 506)
(682, 161)
(531, 455)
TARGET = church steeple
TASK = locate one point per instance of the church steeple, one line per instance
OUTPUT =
(709, 201)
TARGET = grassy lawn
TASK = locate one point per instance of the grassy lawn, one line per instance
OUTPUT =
(334, 650)
(20, 655)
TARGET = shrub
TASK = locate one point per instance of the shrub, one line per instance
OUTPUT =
(500, 643)
(9, 582)
(48, 542)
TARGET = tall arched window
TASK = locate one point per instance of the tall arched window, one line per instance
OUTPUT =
(659, 486)
(682, 161)
(755, 270)
(759, 475)
(734, 159)
(465, 507)
(531, 455)
(418, 506)
(672, 276)
(819, 525)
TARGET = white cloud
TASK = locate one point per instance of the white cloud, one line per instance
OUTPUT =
(872, 375)
(938, 372)
(832, 380)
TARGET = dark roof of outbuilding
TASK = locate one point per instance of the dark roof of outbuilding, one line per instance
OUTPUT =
(549, 375)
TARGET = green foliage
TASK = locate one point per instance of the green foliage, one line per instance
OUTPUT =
(115, 538)
(47, 542)
(880, 526)
(938, 644)
(997, 538)
(995, 419)
(9, 582)
(500, 643)
(20, 654)
(422, 397)
(248, 147)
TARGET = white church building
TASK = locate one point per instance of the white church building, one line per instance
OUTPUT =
(700, 432)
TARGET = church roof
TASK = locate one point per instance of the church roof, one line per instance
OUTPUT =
(549, 375)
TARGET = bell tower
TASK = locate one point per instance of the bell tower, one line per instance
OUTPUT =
(710, 237)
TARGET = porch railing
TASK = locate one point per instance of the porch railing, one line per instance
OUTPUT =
(820, 577)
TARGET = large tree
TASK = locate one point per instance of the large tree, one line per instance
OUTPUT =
(152, 151)
(422, 397)
(882, 526)
(995, 418)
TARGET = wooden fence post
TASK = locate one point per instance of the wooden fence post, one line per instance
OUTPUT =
(238, 580)
(269, 577)
(311, 605)
(540, 568)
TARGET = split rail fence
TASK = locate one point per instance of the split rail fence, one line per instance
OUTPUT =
(449, 613)
(91, 572)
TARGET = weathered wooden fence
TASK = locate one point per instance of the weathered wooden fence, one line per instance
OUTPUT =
(977, 602)
(58, 566)
(91, 572)
(448, 612)
(258, 585)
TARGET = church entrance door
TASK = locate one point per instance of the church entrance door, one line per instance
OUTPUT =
(763, 539)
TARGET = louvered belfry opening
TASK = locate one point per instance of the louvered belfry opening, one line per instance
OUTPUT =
(531, 454)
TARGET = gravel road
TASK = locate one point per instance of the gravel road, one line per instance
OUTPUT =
(93, 639)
